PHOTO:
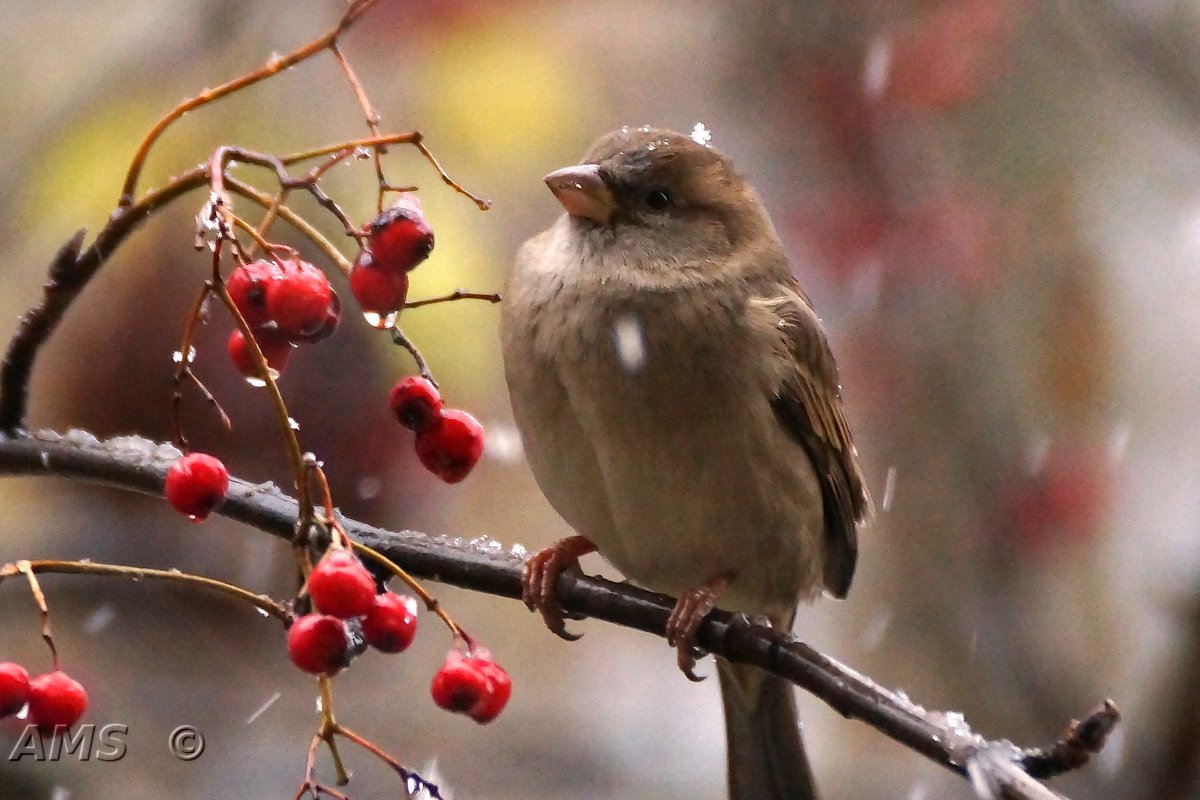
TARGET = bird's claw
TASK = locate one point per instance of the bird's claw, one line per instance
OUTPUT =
(685, 620)
(686, 658)
(555, 619)
(540, 577)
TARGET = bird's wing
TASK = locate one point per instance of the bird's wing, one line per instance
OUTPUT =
(808, 403)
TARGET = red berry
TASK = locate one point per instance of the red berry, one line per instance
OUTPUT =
(459, 685)
(275, 346)
(318, 644)
(196, 484)
(416, 402)
(56, 698)
(400, 238)
(496, 698)
(379, 292)
(391, 622)
(333, 315)
(340, 585)
(473, 685)
(14, 688)
(247, 286)
(299, 301)
(450, 447)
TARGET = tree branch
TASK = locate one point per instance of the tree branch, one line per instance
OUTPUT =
(996, 768)
(69, 273)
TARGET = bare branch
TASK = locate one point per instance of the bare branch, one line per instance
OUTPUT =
(998, 767)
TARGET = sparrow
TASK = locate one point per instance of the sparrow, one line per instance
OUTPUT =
(680, 409)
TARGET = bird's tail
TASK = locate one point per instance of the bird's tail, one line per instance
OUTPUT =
(765, 754)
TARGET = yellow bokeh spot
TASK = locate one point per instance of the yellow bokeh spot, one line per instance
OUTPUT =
(506, 102)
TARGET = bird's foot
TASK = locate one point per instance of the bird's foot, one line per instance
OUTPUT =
(541, 574)
(690, 610)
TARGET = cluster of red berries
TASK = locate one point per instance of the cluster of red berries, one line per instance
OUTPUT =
(196, 484)
(348, 612)
(53, 698)
(397, 241)
(449, 440)
(286, 303)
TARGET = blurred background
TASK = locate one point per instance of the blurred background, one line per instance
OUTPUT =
(994, 205)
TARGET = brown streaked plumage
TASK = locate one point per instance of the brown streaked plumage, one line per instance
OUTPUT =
(680, 409)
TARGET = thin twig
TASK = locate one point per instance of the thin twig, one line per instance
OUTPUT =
(29, 568)
(431, 602)
(183, 370)
(308, 231)
(329, 726)
(399, 338)
(26, 568)
(415, 138)
(69, 272)
(273, 67)
(457, 294)
(372, 118)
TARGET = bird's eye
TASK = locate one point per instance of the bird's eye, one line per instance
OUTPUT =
(658, 200)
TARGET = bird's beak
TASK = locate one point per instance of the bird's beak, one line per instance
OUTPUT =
(582, 192)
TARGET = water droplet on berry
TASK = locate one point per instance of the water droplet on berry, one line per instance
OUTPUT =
(375, 320)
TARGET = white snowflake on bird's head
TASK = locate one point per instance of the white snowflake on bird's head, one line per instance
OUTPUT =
(701, 134)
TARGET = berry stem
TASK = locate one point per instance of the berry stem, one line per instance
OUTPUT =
(216, 285)
(295, 454)
(183, 370)
(415, 138)
(310, 786)
(26, 568)
(299, 223)
(29, 568)
(329, 727)
(372, 117)
(428, 599)
(268, 219)
(273, 67)
(482, 204)
(457, 294)
(342, 539)
(253, 233)
(399, 338)
(378, 752)
(222, 155)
